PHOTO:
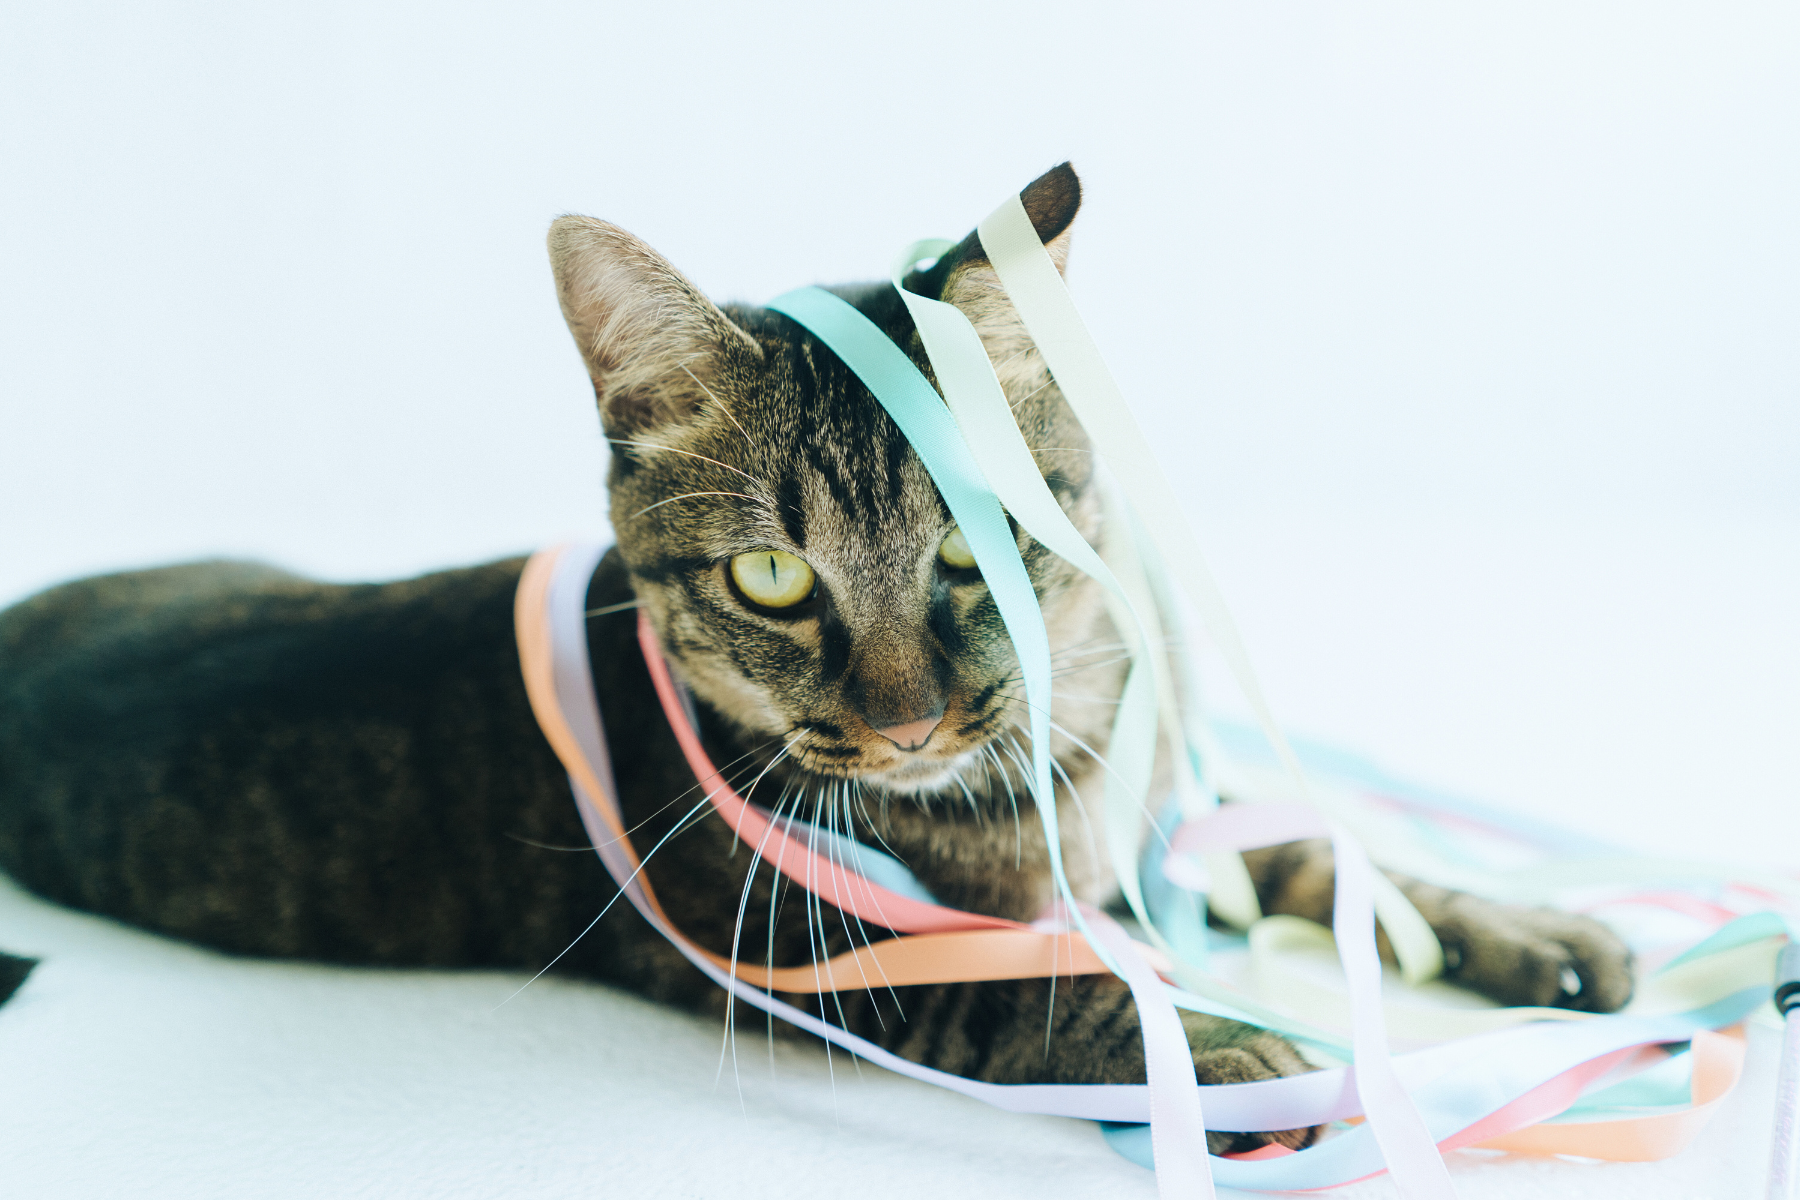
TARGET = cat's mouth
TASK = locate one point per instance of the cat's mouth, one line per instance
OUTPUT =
(919, 778)
(959, 763)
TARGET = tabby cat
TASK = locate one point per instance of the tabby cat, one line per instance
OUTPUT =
(231, 754)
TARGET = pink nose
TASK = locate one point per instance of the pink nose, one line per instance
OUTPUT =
(912, 735)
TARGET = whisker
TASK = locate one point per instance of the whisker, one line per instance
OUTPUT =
(857, 793)
(1012, 802)
(1087, 641)
(1093, 666)
(718, 773)
(613, 608)
(535, 844)
(687, 821)
(721, 404)
(1013, 358)
(737, 934)
(776, 892)
(1057, 769)
(1016, 681)
(686, 453)
(1028, 395)
(746, 798)
(1088, 650)
(1098, 758)
(686, 496)
(861, 927)
(967, 794)
(644, 862)
(837, 997)
(1017, 754)
(815, 938)
(1080, 807)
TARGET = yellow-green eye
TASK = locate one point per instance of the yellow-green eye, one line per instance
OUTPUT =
(772, 578)
(955, 551)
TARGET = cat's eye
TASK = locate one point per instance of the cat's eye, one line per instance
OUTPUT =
(772, 578)
(955, 551)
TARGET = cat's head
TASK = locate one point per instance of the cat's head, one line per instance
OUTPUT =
(797, 561)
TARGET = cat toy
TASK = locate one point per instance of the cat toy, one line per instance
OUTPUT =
(1534, 1080)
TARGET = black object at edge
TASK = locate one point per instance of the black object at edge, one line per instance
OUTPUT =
(13, 971)
(1787, 979)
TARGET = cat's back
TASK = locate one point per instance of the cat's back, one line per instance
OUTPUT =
(234, 754)
(118, 663)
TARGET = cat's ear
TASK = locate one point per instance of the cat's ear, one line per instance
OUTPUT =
(964, 276)
(653, 343)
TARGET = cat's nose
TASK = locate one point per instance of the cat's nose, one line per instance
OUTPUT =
(912, 735)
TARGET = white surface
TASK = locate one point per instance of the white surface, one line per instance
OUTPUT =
(1469, 330)
(1631, 677)
(133, 1066)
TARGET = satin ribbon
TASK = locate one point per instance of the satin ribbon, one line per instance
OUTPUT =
(946, 945)
(976, 399)
(838, 886)
(1406, 1144)
(1177, 1126)
(908, 397)
(1719, 1062)
(1455, 1085)
(975, 396)
(1037, 292)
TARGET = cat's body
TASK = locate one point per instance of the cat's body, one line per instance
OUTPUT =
(272, 766)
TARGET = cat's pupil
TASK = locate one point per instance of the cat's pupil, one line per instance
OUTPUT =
(786, 582)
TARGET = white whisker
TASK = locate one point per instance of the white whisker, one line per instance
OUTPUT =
(679, 826)
(687, 496)
(613, 608)
(687, 454)
(721, 404)
(1028, 395)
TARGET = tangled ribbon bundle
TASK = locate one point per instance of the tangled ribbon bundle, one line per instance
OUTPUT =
(1533, 1080)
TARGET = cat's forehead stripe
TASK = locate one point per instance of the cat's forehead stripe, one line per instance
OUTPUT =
(790, 506)
(850, 441)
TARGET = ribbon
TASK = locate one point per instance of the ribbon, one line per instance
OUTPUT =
(1176, 1123)
(1454, 1085)
(1036, 290)
(975, 455)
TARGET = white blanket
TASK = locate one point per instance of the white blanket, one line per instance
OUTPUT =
(134, 1066)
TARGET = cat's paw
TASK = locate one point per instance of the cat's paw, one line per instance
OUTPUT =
(1537, 956)
(1227, 1052)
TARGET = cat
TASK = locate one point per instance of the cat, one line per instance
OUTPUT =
(234, 755)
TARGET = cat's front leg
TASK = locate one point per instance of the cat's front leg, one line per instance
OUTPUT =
(1514, 954)
(1009, 1031)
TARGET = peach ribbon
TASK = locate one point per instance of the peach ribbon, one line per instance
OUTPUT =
(944, 944)
(1006, 950)
(1718, 1064)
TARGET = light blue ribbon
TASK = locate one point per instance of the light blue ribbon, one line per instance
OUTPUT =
(908, 397)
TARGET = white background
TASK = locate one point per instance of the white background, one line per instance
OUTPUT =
(1469, 331)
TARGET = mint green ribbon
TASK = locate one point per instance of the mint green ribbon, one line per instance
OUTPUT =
(902, 389)
(977, 400)
(1043, 303)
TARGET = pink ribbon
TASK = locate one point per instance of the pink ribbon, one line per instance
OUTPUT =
(843, 889)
